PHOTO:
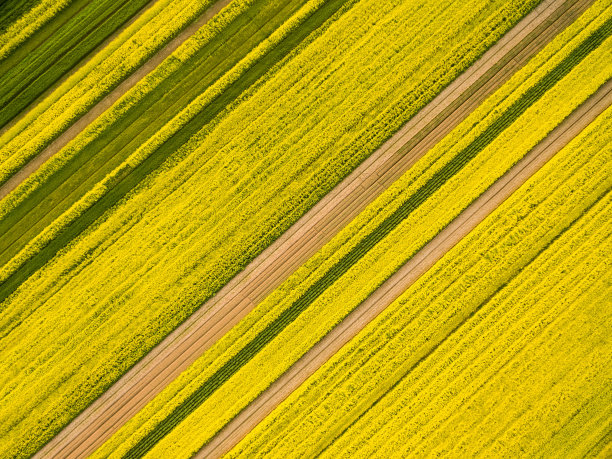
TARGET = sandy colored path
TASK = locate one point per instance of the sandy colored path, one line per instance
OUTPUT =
(218, 315)
(408, 274)
(109, 100)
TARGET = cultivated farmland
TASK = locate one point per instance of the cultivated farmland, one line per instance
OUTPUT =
(70, 35)
(225, 187)
(304, 227)
(367, 252)
(400, 348)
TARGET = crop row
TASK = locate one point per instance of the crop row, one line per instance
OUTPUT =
(12, 10)
(104, 145)
(43, 59)
(396, 345)
(584, 434)
(88, 343)
(28, 23)
(90, 83)
(305, 288)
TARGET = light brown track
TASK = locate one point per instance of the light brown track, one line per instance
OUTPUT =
(77, 127)
(423, 260)
(183, 346)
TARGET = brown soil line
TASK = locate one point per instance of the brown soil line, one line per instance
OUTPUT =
(218, 315)
(77, 67)
(408, 274)
(77, 127)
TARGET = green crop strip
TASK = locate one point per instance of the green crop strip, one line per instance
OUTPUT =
(343, 265)
(130, 180)
(45, 121)
(12, 10)
(46, 64)
(31, 25)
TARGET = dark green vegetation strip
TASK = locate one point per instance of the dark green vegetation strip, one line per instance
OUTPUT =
(11, 10)
(93, 162)
(39, 64)
(135, 176)
(368, 242)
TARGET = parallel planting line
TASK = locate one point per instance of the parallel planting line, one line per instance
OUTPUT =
(15, 180)
(25, 79)
(408, 274)
(184, 345)
(77, 67)
(132, 177)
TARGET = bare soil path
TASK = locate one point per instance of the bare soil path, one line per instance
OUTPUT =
(76, 128)
(408, 274)
(218, 315)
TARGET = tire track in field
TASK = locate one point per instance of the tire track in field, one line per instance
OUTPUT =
(422, 261)
(78, 126)
(182, 347)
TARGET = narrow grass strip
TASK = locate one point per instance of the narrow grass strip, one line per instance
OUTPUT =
(40, 126)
